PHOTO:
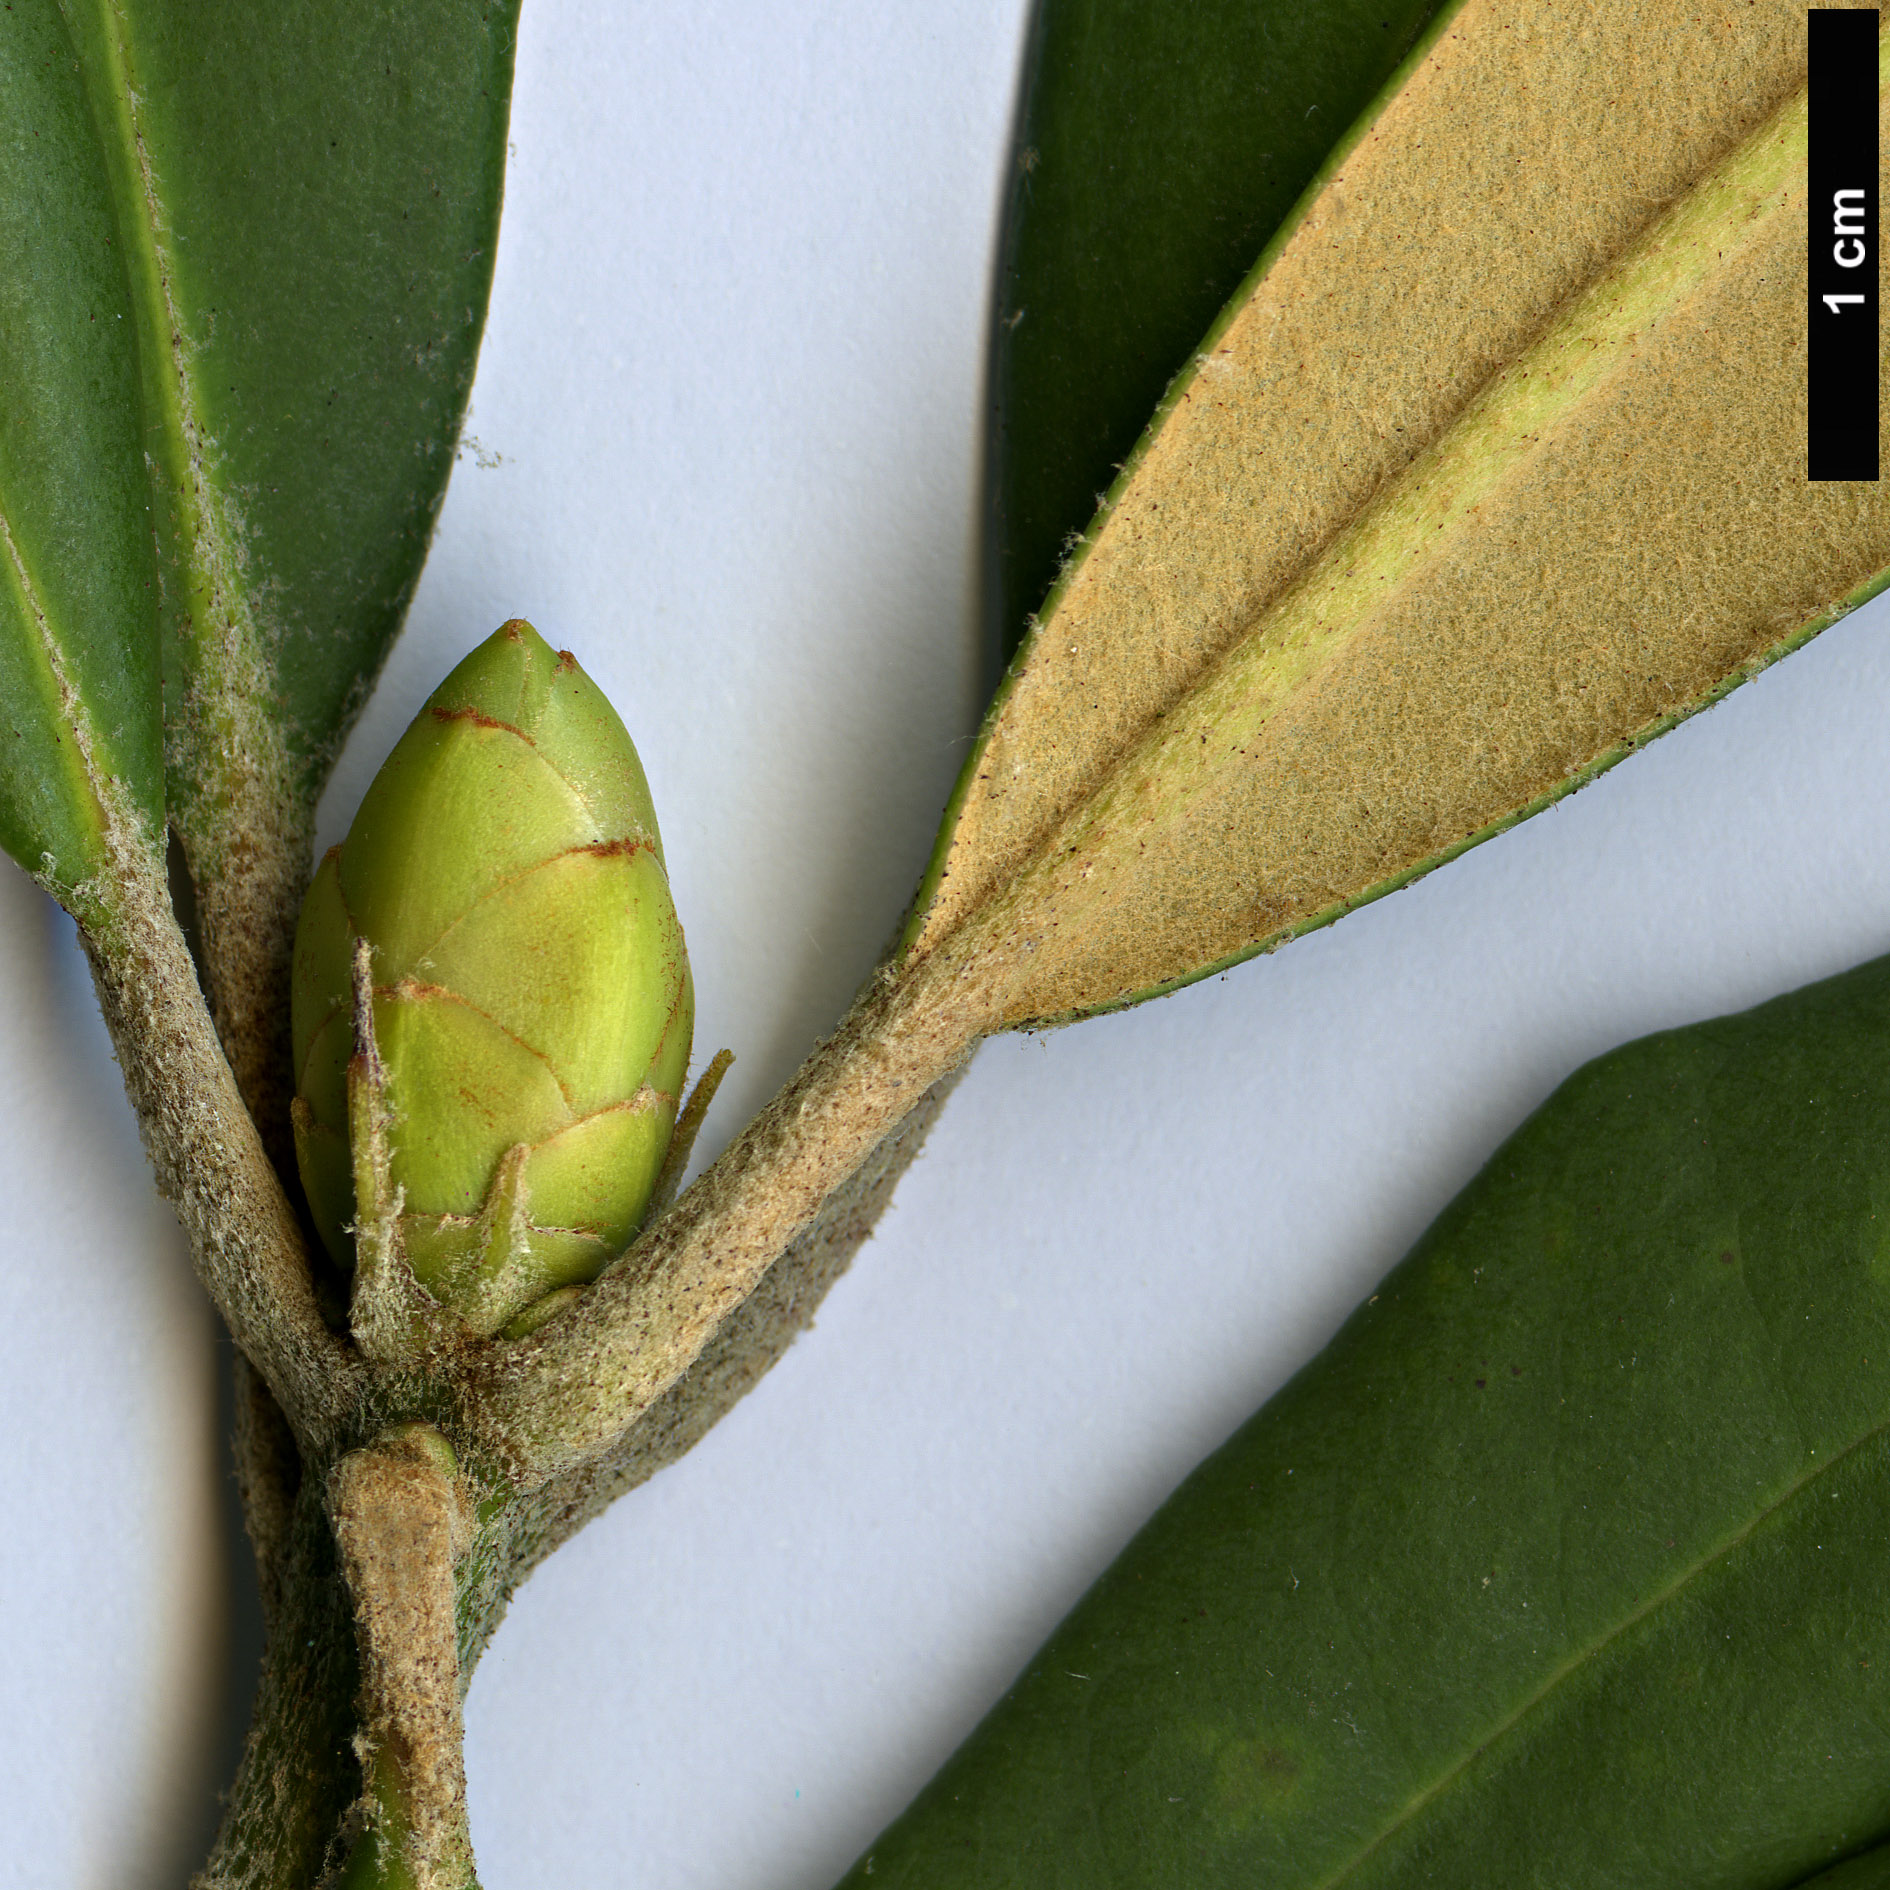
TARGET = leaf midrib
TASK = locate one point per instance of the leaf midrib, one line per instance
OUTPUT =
(58, 696)
(1508, 423)
(1725, 1547)
(236, 738)
(152, 293)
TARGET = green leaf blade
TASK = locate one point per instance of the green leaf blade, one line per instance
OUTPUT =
(308, 200)
(78, 607)
(1561, 1564)
(1160, 149)
(329, 253)
(1869, 1872)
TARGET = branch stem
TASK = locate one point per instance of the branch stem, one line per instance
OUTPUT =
(744, 1348)
(400, 1523)
(300, 1772)
(548, 1404)
(209, 1159)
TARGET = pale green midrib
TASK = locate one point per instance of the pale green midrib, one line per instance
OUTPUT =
(1510, 422)
(1794, 639)
(58, 697)
(151, 292)
(1726, 1547)
(229, 689)
(937, 869)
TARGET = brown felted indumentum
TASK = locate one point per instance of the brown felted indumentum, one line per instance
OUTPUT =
(1493, 470)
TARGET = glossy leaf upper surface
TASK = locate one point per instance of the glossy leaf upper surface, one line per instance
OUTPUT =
(245, 254)
(1562, 1564)
(1868, 1872)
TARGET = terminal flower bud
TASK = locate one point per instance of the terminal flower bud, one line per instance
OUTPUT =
(531, 998)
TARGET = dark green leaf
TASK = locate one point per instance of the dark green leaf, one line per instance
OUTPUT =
(79, 724)
(1564, 1564)
(1160, 147)
(311, 198)
(1869, 1872)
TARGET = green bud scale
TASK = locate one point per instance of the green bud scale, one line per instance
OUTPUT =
(531, 995)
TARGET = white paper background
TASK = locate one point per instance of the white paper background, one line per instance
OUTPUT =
(732, 382)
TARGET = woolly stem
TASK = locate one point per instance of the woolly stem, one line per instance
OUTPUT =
(547, 1404)
(400, 1523)
(299, 1774)
(209, 1159)
(744, 1348)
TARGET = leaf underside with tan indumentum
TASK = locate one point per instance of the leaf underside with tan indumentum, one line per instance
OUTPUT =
(1159, 148)
(1471, 490)
(1493, 472)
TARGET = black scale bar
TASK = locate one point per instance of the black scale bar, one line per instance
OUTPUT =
(1841, 359)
